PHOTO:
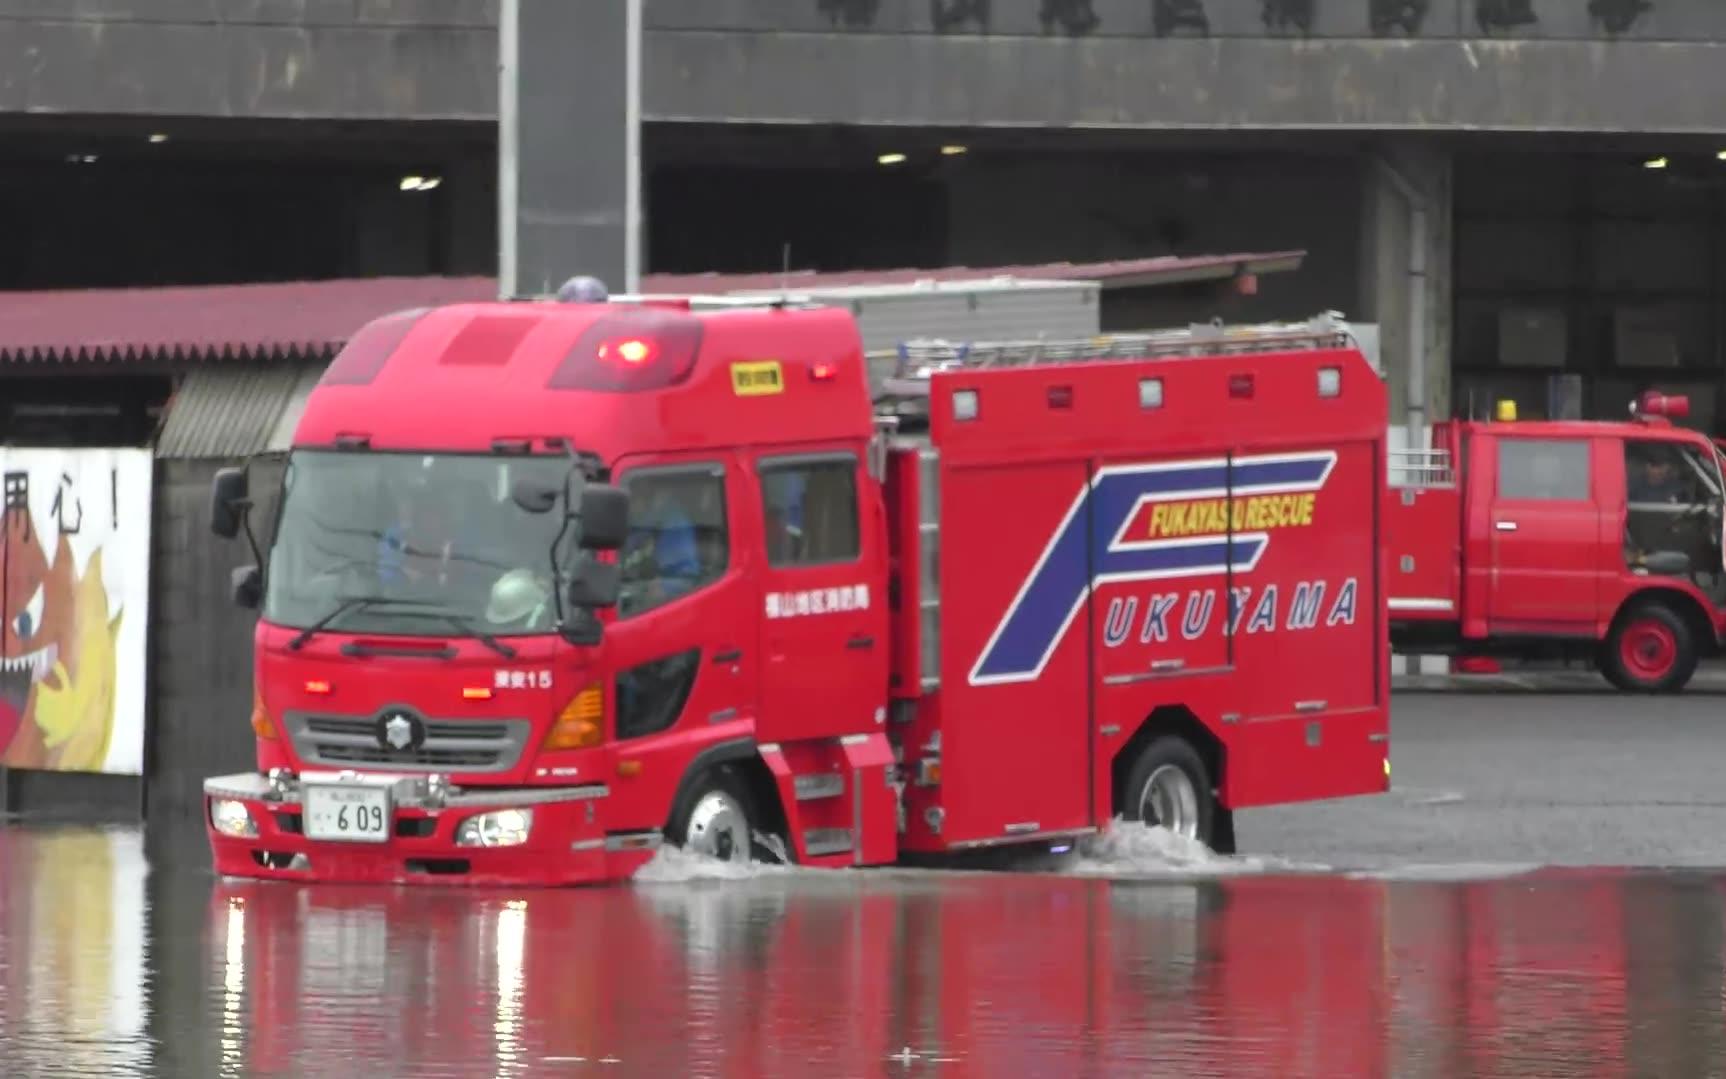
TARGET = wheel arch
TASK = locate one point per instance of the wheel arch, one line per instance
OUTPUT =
(1169, 719)
(742, 757)
(1682, 603)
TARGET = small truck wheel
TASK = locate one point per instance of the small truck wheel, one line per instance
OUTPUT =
(1170, 787)
(718, 819)
(1650, 650)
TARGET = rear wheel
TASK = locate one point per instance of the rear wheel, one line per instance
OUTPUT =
(719, 819)
(1650, 650)
(1170, 787)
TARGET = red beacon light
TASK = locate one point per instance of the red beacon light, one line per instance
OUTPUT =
(631, 351)
(1653, 404)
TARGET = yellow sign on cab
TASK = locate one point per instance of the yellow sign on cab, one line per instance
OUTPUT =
(758, 378)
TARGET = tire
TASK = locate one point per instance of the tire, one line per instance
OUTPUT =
(1651, 649)
(1176, 770)
(718, 818)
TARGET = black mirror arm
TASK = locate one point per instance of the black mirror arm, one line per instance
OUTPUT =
(244, 508)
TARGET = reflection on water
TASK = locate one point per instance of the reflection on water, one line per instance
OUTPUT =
(1560, 973)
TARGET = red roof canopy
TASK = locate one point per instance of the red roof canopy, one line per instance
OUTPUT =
(314, 318)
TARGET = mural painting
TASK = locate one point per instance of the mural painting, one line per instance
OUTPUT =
(75, 547)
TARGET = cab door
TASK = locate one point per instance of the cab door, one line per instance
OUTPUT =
(1544, 532)
(681, 648)
(823, 611)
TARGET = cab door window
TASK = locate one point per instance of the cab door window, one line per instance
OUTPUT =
(678, 540)
(811, 512)
(1543, 470)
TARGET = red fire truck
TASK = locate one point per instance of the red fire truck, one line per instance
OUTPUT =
(1598, 541)
(550, 582)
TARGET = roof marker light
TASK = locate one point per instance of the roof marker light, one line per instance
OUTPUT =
(1329, 381)
(1150, 393)
(823, 372)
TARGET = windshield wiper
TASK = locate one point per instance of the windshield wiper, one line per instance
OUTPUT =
(464, 626)
(354, 603)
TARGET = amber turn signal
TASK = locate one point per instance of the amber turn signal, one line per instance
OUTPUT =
(578, 726)
(262, 725)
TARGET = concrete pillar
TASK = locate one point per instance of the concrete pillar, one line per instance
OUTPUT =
(1399, 178)
(568, 144)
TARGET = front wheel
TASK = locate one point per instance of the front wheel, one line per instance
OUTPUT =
(1170, 787)
(1651, 650)
(719, 821)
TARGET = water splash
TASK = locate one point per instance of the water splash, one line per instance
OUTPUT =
(674, 865)
(1129, 850)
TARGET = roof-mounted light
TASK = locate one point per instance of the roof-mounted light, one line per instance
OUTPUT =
(1653, 403)
(631, 350)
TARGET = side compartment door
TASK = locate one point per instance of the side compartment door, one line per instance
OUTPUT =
(1016, 645)
(822, 609)
(1545, 537)
(681, 648)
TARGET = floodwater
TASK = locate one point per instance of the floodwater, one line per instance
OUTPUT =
(1118, 962)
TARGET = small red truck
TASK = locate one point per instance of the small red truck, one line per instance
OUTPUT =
(553, 581)
(1580, 540)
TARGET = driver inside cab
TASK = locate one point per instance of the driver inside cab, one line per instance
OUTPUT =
(1653, 479)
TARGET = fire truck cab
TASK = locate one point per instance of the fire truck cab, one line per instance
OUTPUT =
(550, 582)
(1598, 541)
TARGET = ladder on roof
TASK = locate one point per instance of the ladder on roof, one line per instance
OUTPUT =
(919, 358)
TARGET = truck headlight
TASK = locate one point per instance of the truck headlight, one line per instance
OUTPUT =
(499, 828)
(232, 818)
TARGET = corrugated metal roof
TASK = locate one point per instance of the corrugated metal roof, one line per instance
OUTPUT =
(1120, 273)
(233, 411)
(310, 320)
(219, 322)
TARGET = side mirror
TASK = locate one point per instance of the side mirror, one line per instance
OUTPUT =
(247, 584)
(533, 497)
(604, 517)
(229, 494)
(595, 586)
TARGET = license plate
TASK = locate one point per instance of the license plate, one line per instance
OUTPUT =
(346, 814)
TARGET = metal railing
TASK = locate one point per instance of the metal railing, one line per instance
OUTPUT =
(919, 358)
(1421, 468)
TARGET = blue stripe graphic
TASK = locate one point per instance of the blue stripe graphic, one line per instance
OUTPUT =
(1083, 551)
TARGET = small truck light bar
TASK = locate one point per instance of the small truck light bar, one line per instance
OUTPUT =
(1654, 403)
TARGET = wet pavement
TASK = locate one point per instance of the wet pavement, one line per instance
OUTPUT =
(1408, 935)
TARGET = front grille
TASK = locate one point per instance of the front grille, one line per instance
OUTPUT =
(454, 745)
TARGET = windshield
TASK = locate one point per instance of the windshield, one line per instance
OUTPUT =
(415, 544)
